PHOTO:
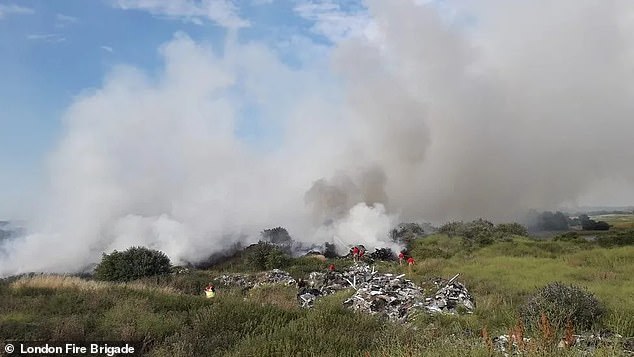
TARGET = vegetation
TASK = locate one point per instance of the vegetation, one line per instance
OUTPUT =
(617, 239)
(277, 235)
(406, 232)
(481, 232)
(134, 263)
(562, 304)
(266, 256)
(511, 278)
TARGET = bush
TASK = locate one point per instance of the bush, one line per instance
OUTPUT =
(561, 303)
(279, 237)
(134, 263)
(405, 233)
(265, 256)
(452, 228)
(508, 229)
(617, 240)
(569, 237)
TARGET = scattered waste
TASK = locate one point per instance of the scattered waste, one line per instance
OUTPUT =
(384, 254)
(389, 295)
(586, 344)
(501, 344)
(237, 280)
(275, 276)
(451, 298)
(245, 281)
(385, 294)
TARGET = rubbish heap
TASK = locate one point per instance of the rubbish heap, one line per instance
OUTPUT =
(273, 277)
(236, 280)
(384, 254)
(586, 344)
(388, 295)
(244, 281)
(450, 298)
(322, 284)
(501, 344)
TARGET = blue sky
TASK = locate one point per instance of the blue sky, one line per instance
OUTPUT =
(52, 51)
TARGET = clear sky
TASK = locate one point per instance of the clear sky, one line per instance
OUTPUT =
(52, 51)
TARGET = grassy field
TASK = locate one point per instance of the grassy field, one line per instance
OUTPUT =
(173, 319)
(617, 221)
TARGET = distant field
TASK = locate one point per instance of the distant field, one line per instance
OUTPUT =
(619, 221)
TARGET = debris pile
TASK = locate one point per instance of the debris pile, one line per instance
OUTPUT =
(388, 295)
(236, 280)
(306, 296)
(589, 342)
(585, 343)
(384, 254)
(502, 344)
(322, 284)
(245, 281)
(327, 283)
(450, 298)
(275, 276)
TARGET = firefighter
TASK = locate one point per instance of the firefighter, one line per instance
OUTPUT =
(331, 267)
(210, 291)
(355, 253)
(401, 257)
(410, 264)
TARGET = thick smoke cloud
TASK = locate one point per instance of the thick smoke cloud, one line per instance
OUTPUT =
(502, 107)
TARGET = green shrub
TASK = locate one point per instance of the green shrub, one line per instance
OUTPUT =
(452, 229)
(617, 240)
(561, 303)
(265, 256)
(568, 237)
(481, 232)
(509, 229)
(405, 233)
(134, 263)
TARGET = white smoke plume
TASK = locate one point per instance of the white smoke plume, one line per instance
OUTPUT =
(502, 107)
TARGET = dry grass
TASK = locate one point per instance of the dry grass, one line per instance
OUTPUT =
(55, 282)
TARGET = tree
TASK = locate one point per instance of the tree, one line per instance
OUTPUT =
(264, 256)
(134, 263)
(406, 232)
(506, 229)
(279, 237)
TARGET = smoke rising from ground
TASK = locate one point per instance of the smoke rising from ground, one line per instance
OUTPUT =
(504, 107)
